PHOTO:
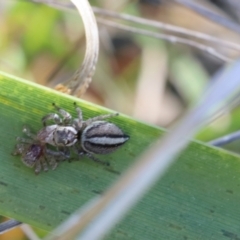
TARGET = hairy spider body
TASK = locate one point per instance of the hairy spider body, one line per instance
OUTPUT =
(60, 136)
(87, 137)
(35, 154)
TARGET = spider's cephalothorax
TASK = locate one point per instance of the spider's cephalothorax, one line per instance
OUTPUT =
(89, 137)
(35, 154)
(60, 136)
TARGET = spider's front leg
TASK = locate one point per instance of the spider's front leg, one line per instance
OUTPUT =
(67, 117)
(77, 122)
(27, 131)
(24, 140)
(51, 116)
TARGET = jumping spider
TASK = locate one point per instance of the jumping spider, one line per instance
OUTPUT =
(89, 137)
(35, 153)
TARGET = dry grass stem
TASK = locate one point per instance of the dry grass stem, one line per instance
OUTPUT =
(29, 232)
(80, 81)
(165, 26)
(166, 37)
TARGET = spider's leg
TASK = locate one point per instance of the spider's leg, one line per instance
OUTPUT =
(101, 117)
(89, 155)
(51, 116)
(65, 151)
(27, 131)
(77, 123)
(76, 149)
(24, 140)
(61, 155)
(19, 149)
(38, 167)
(67, 117)
(44, 164)
(52, 161)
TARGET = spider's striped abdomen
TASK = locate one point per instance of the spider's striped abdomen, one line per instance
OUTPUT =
(102, 137)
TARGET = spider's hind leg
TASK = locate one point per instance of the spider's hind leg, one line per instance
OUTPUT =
(90, 156)
(101, 117)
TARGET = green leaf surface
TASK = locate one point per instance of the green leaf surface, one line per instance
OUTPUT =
(198, 198)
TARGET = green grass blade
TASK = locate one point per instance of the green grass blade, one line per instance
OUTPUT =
(197, 199)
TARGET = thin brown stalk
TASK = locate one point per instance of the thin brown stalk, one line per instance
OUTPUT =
(165, 26)
(80, 81)
(166, 37)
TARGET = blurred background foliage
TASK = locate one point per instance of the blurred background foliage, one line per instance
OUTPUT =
(149, 79)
